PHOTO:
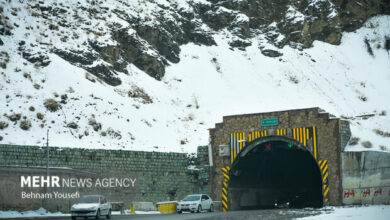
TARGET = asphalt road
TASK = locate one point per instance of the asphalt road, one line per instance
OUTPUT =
(266, 214)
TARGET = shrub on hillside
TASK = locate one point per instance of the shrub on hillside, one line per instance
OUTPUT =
(367, 144)
(51, 105)
(363, 98)
(184, 141)
(95, 125)
(15, 117)
(3, 125)
(354, 141)
(387, 43)
(137, 92)
(293, 79)
(382, 133)
(40, 116)
(37, 86)
(72, 125)
(114, 134)
(4, 59)
(25, 124)
(64, 98)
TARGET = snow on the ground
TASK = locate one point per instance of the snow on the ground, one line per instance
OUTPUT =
(44, 212)
(377, 212)
(207, 84)
(36, 213)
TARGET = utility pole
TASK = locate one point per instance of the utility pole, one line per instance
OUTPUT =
(47, 154)
(44, 201)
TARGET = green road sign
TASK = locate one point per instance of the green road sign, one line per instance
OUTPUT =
(269, 121)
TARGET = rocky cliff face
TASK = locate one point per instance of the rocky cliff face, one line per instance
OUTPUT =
(156, 74)
(103, 37)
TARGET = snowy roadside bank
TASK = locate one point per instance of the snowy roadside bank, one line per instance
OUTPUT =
(41, 212)
(377, 212)
(36, 213)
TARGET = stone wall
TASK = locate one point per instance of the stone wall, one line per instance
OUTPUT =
(328, 141)
(11, 190)
(159, 176)
(366, 177)
(204, 169)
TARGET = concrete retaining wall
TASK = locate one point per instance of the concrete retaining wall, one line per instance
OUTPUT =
(366, 177)
(144, 206)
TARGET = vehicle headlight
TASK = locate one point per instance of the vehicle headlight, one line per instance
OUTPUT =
(193, 203)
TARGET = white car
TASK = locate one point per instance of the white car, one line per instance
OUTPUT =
(91, 206)
(196, 202)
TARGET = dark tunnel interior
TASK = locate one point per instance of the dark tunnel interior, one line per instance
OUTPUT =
(275, 172)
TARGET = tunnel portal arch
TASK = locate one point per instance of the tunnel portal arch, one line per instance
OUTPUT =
(274, 170)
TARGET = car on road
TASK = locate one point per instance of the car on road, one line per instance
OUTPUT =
(195, 203)
(281, 205)
(91, 206)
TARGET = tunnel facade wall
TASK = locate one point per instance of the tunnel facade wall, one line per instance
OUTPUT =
(366, 177)
(332, 134)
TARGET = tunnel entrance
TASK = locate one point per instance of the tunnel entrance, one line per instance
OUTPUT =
(275, 169)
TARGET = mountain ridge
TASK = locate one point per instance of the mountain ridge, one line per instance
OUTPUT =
(115, 72)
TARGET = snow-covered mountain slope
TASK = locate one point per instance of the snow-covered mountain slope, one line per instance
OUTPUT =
(105, 98)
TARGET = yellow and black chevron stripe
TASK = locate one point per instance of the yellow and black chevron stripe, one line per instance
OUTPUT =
(324, 171)
(314, 137)
(302, 135)
(281, 132)
(226, 178)
(305, 135)
(237, 143)
(256, 135)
